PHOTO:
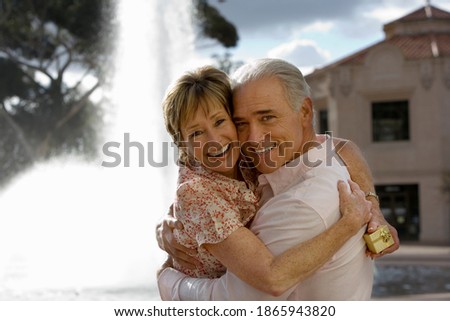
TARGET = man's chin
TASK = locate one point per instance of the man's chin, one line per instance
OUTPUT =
(267, 168)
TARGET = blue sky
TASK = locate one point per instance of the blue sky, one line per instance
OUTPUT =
(311, 33)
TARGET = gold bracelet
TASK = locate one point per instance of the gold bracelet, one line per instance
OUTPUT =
(374, 195)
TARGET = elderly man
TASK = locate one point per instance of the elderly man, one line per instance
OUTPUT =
(273, 114)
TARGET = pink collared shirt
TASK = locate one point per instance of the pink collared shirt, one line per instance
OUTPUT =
(300, 200)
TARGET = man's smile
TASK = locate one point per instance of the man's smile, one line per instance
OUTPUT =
(265, 149)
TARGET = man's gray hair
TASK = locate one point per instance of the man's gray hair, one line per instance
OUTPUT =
(292, 80)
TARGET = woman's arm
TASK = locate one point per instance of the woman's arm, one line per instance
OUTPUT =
(184, 256)
(246, 256)
(361, 174)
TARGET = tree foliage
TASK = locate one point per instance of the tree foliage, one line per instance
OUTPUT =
(54, 54)
(48, 51)
(213, 25)
(52, 59)
(226, 63)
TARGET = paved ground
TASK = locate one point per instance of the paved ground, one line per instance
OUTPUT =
(419, 254)
(407, 256)
(423, 255)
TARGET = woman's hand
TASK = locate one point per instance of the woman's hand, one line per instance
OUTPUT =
(377, 220)
(360, 172)
(166, 241)
(168, 263)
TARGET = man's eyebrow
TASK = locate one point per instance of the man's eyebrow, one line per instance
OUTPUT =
(263, 112)
(258, 112)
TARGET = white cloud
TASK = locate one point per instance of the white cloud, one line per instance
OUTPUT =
(320, 26)
(340, 27)
(303, 53)
(385, 14)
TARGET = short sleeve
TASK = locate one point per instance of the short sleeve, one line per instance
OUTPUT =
(206, 214)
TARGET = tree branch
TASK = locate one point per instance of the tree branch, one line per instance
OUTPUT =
(76, 108)
(19, 132)
(26, 64)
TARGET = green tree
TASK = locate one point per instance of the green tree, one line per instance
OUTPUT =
(226, 63)
(214, 26)
(48, 50)
(54, 54)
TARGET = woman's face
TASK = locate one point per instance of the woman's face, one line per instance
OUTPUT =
(212, 139)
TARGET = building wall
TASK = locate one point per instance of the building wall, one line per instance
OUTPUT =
(348, 92)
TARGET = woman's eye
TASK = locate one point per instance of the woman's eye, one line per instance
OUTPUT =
(219, 122)
(195, 134)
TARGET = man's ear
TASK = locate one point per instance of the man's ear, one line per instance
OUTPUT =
(306, 111)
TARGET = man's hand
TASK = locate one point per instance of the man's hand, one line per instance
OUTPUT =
(166, 241)
(353, 205)
(377, 220)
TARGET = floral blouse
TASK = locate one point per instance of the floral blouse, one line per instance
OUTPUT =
(211, 206)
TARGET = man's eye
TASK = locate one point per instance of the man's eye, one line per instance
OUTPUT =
(267, 117)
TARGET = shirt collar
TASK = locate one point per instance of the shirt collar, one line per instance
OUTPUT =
(294, 171)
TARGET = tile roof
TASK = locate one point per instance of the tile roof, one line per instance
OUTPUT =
(412, 46)
(425, 13)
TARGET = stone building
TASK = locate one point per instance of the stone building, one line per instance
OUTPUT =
(393, 100)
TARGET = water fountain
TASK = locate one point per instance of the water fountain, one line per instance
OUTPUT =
(68, 228)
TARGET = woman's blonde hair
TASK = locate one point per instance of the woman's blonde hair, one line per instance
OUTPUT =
(201, 88)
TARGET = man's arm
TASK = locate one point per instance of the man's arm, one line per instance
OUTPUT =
(360, 173)
(275, 274)
(314, 252)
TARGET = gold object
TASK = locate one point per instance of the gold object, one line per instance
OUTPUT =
(373, 195)
(379, 240)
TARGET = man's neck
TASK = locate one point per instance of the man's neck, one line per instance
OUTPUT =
(311, 140)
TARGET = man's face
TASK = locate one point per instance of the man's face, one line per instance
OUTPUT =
(270, 131)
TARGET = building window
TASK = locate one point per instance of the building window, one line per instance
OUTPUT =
(390, 121)
(323, 121)
(400, 207)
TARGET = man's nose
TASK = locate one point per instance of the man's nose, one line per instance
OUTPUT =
(255, 134)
